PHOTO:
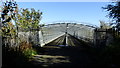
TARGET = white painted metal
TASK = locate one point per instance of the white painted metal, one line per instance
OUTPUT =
(51, 32)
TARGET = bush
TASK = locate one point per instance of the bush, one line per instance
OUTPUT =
(17, 56)
(28, 53)
(111, 53)
(27, 50)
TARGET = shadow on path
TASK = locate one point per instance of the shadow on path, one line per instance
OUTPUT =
(61, 57)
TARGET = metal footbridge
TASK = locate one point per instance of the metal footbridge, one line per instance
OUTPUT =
(52, 32)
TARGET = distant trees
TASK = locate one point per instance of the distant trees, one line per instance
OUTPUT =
(114, 13)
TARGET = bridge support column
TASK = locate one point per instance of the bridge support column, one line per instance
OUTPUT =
(66, 39)
(41, 41)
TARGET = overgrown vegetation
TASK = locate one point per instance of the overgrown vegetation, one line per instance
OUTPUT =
(27, 50)
(109, 55)
(15, 57)
(13, 20)
(114, 13)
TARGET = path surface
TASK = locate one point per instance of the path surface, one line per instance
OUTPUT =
(59, 57)
(54, 56)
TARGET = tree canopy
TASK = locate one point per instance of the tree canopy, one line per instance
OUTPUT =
(7, 14)
(114, 13)
(28, 19)
(24, 19)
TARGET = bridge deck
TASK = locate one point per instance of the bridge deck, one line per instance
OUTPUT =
(54, 56)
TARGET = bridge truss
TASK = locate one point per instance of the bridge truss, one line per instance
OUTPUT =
(81, 31)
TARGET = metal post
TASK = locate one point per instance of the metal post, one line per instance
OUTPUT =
(66, 35)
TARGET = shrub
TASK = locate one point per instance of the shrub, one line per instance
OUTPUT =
(26, 49)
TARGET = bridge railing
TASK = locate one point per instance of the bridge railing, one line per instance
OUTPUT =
(50, 32)
(81, 32)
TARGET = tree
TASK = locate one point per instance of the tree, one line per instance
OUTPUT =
(25, 20)
(28, 20)
(7, 14)
(114, 13)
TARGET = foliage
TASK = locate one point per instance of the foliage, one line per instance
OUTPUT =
(114, 13)
(25, 20)
(113, 52)
(17, 57)
(28, 20)
(8, 31)
(7, 14)
(26, 49)
(29, 53)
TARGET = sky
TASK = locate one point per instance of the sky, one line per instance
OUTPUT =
(84, 12)
(62, 0)
(87, 12)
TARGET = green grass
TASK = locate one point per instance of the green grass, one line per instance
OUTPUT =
(28, 53)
